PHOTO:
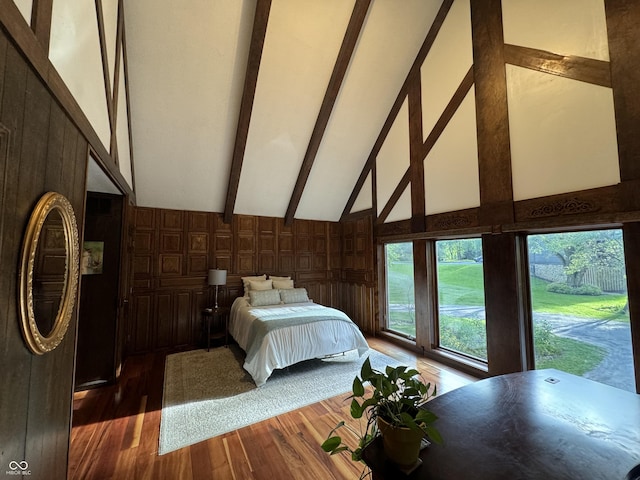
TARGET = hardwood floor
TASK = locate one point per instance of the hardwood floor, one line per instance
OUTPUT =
(115, 432)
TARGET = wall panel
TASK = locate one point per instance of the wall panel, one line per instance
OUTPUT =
(40, 150)
(185, 245)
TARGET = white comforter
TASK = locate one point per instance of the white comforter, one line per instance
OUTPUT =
(286, 346)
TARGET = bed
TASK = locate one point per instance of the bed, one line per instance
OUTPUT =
(282, 327)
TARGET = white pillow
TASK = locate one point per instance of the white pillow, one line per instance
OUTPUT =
(294, 295)
(262, 298)
(260, 285)
(246, 280)
(282, 284)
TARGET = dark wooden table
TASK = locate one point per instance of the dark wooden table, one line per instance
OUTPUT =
(541, 424)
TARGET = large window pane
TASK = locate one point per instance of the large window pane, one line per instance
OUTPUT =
(580, 309)
(400, 292)
(461, 318)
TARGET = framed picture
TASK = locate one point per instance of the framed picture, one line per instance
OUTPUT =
(92, 255)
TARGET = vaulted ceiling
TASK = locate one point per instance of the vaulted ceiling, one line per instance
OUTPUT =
(264, 107)
(315, 109)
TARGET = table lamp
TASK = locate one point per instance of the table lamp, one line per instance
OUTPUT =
(217, 278)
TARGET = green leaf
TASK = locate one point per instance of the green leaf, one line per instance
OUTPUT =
(338, 450)
(358, 388)
(426, 417)
(331, 443)
(366, 371)
(356, 409)
(433, 434)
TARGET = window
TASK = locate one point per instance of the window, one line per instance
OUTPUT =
(461, 314)
(400, 289)
(579, 305)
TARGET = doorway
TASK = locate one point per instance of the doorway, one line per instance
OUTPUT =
(100, 280)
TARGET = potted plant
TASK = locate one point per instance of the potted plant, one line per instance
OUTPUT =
(392, 409)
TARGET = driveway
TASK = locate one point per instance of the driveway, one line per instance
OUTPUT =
(616, 369)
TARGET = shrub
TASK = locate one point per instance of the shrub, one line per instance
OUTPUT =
(562, 288)
(588, 290)
(565, 289)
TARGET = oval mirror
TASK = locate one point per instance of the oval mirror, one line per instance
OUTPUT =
(48, 273)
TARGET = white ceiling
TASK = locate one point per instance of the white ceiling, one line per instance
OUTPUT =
(186, 74)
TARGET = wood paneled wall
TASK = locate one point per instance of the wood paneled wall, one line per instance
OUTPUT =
(175, 249)
(40, 150)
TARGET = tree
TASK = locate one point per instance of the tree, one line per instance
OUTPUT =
(455, 250)
(399, 252)
(580, 250)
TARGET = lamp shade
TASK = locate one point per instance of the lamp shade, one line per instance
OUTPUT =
(217, 277)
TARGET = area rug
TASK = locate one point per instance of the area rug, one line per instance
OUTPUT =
(208, 393)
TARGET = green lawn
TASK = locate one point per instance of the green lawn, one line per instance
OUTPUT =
(462, 284)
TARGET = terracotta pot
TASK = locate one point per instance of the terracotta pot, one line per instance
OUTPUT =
(402, 445)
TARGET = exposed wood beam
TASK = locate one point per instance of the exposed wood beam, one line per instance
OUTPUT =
(422, 54)
(432, 138)
(492, 115)
(395, 196)
(416, 164)
(347, 48)
(26, 42)
(448, 113)
(41, 21)
(106, 77)
(258, 35)
(125, 65)
(583, 69)
(623, 18)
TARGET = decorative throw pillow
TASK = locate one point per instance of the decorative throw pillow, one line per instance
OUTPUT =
(282, 284)
(274, 277)
(246, 280)
(262, 298)
(294, 295)
(260, 285)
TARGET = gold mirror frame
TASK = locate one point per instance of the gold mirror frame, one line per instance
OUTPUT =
(36, 341)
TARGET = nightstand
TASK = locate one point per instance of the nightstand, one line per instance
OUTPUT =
(220, 318)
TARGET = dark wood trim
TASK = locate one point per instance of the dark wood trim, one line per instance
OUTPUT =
(359, 214)
(374, 153)
(623, 18)
(41, 21)
(125, 61)
(395, 196)
(116, 87)
(492, 115)
(25, 40)
(423, 292)
(631, 238)
(374, 189)
(111, 98)
(416, 165)
(258, 35)
(431, 140)
(448, 113)
(415, 68)
(505, 352)
(358, 16)
(583, 69)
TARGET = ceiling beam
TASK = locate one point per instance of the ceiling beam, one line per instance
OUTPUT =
(589, 70)
(422, 54)
(446, 116)
(41, 21)
(347, 48)
(258, 35)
